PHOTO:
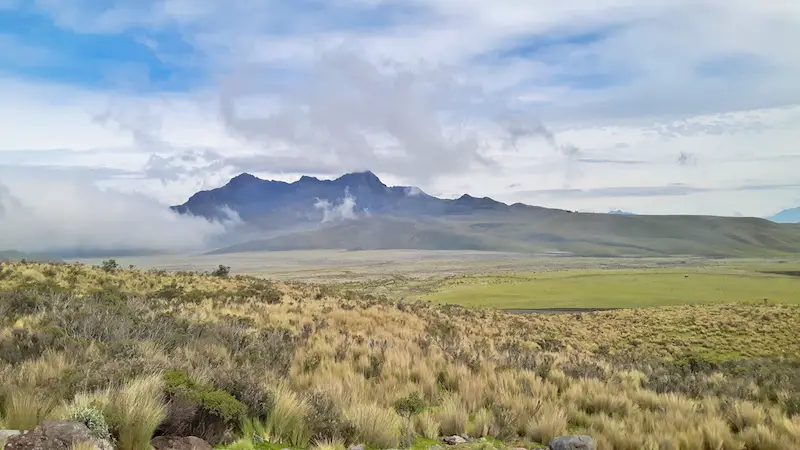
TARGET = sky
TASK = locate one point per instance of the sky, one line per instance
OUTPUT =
(654, 107)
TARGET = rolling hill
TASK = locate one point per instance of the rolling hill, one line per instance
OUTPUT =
(358, 211)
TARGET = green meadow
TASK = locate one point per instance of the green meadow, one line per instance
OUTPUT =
(630, 288)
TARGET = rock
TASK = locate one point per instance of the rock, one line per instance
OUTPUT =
(179, 443)
(581, 442)
(5, 434)
(56, 435)
(454, 440)
(358, 447)
(465, 436)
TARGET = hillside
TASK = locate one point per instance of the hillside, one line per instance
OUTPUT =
(358, 211)
(575, 233)
(251, 364)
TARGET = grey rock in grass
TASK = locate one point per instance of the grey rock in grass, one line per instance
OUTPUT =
(56, 435)
(358, 447)
(5, 434)
(454, 440)
(581, 442)
(179, 443)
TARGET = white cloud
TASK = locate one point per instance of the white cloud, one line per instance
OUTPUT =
(336, 212)
(621, 88)
(57, 213)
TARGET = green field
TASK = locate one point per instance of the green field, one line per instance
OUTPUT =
(617, 288)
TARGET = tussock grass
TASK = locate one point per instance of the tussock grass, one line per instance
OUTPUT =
(452, 416)
(343, 368)
(288, 420)
(136, 410)
(376, 426)
(24, 408)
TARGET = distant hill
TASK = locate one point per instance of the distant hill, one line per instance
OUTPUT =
(620, 212)
(14, 255)
(358, 211)
(787, 216)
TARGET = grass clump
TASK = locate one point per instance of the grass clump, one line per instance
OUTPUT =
(376, 426)
(136, 411)
(287, 422)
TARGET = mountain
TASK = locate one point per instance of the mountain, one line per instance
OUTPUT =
(358, 211)
(620, 212)
(787, 216)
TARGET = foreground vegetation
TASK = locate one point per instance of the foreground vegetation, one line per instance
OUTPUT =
(247, 363)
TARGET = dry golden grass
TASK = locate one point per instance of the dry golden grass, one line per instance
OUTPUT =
(328, 370)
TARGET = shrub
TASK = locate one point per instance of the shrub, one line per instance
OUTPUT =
(326, 420)
(109, 265)
(93, 419)
(198, 410)
(221, 271)
(410, 405)
(135, 412)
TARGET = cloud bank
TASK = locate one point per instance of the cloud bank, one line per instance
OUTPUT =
(66, 214)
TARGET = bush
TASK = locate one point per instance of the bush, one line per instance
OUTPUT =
(198, 410)
(410, 405)
(93, 418)
(109, 265)
(221, 271)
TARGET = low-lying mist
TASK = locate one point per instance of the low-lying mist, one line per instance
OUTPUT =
(70, 215)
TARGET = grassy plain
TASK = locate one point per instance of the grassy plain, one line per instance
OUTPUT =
(511, 280)
(254, 364)
(630, 288)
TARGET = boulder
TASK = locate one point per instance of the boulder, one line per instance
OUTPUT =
(56, 435)
(580, 442)
(179, 443)
(454, 440)
(5, 434)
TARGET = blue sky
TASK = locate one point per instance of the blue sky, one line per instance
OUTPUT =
(522, 100)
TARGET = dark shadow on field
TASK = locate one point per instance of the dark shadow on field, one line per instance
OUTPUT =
(556, 310)
(790, 273)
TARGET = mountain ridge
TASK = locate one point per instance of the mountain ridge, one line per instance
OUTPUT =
(359, 211)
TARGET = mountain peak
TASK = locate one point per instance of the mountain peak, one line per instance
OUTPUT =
(365, 178)
(243, 179)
